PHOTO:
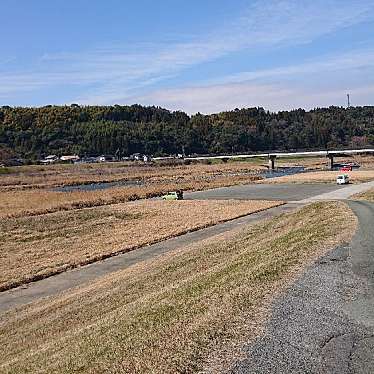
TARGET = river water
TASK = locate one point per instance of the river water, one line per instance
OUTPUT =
(279, 172)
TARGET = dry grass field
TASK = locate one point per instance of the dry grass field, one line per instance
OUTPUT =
(180, 313)
(29, 190)
(310, 163)
(356, 176)
(366, 162)
(40, 201)
(321, 163)
(38, 246)
(49, 176)
(368, 196)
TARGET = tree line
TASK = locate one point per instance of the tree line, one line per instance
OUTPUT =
(32, 133)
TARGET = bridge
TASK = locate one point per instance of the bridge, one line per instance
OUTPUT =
(272, 156)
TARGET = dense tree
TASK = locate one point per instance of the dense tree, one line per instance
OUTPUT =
(92, 130)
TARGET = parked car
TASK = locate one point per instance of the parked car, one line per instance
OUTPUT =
(346, 168)
(175, 195)
(342, 179)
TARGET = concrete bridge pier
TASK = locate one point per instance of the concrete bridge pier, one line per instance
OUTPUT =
(331, 161)
(272, 162)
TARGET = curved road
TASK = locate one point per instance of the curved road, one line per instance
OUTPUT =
(324, 323)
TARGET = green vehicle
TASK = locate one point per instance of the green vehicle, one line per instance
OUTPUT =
(176, 195)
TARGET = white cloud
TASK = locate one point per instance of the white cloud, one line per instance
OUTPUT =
(354, 60)
(264, 24)
(322, 82)
(216, 98)
(274, 97)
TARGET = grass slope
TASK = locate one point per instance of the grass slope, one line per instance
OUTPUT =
(368, 196)
(176, 313)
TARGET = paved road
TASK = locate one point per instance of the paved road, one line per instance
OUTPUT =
(285, 192)
(342, 193)
(325, 322)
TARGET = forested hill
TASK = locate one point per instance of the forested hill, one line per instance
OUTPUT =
(92, 130)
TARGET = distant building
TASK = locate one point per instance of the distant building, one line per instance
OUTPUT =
(70, 158)
(136, 157)
(140, 157)
(105, 158)
(51, 159)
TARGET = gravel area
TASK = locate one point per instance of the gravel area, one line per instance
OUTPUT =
(324, 323)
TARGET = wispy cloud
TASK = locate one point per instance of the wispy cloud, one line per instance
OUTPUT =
(354, 60)
(107, 75)
(274, 97)
(321, 82)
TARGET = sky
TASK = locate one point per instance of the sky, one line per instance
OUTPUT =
(197, 56)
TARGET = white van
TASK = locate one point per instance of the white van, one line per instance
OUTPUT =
(342, 179)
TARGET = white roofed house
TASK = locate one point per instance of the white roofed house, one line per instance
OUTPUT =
(70, 158)
(147, 158)
(49, 159)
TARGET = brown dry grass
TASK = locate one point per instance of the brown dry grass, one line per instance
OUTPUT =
(356, 176)
(368, 196)
(35, 247)
(27, 190)
(310, 163)
(366, 162)
(41, 201)
(322, 163)
(174, 313)
(35, 176)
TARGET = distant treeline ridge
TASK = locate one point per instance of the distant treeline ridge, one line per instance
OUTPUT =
(32, 133)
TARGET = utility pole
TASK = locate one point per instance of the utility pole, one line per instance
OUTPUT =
(348, 101)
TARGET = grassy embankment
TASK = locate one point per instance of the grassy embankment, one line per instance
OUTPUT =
(178, 313)
(35, 247)
(367, 196)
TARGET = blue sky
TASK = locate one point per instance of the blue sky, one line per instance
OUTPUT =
(197, 56)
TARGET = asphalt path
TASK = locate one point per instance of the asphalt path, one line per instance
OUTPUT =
(284, 192)
(343, 193)
(324, 323)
